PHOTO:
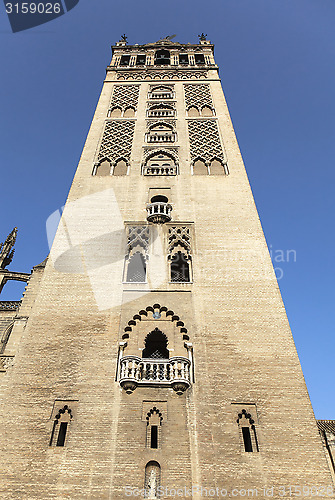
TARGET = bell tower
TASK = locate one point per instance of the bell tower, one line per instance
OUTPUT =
(157, 355)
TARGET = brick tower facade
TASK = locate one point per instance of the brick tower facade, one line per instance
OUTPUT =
(155, 352)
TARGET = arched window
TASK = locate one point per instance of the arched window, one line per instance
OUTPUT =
(180, 269)
(60, 427)
(206, 111)
(152, 479)
(155, 346)
(200, 168)
(129, 112)
(248, 432)
(125, 60)
(154, 419)
(216, 168)
(104, 168)
(161, 132)
(120, 168)
(140, 60)
(160, 159)
(199, 59)
(5, 337)
(162, 57)
(116, 112)
(161, 110)
(160, 163)
(193, 111)
(161, 93)
(183, 59)
(136, 271)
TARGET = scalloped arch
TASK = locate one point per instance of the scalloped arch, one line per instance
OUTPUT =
(169, 314)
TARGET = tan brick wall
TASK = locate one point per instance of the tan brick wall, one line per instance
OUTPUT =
(243, 348)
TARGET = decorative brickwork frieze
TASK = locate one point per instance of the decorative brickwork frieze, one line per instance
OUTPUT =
(179, 238)
(117, 140)
(161, 75)
(125, 96)
(138, 238)
(198, 95)
(205, 140)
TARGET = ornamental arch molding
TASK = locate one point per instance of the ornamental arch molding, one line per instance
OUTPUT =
(157, 312)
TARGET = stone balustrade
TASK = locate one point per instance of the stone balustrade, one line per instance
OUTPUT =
(174, 372)
(161, 137)
(159, 212)
(160, 112)
(160, 95)
(159, 170)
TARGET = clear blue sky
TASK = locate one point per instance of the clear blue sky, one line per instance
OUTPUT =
(276, 61)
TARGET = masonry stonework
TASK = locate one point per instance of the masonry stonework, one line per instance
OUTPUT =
(164, 359)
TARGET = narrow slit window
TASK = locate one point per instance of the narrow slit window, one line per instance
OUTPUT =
(60, 426)
(154, 436)
(246, 439)
(62, 434)
(153, 432)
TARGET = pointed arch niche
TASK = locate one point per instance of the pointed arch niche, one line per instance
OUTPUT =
(155, 350)
(247, 422)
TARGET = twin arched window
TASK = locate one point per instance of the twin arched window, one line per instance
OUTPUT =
(194, 111)
(105, 168)
(215, 167)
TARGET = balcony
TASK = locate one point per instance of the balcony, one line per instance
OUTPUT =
(174, 372)
(159, 212)
(160, 95)
(159, 113)
(160, 170)
(161, 138)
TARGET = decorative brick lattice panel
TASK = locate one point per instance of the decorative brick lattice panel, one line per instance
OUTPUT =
(138, 236)
(160, 75)
(117, 140)
(179, 236)
(125, 96)
(198, 95)
(205, 140)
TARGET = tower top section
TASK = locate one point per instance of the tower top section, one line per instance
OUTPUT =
(164, 53)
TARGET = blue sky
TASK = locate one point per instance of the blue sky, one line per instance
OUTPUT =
(276, 61)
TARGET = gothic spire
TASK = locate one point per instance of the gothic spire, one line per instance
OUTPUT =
(7, 250)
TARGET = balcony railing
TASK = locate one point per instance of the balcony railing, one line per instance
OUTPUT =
(160, 137)
(160, 95)
(174, 372)
(160, 112)
(159, 212)
(160, 170)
